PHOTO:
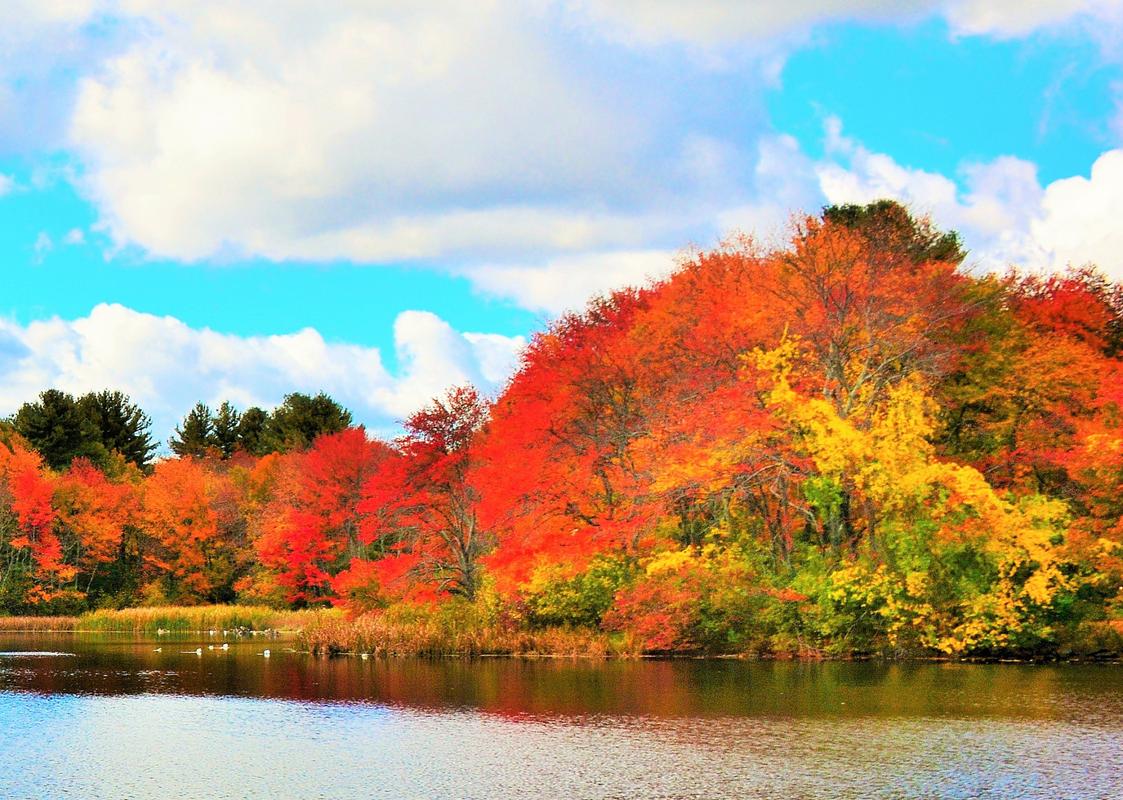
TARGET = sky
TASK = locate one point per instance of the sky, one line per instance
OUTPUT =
(236, 199)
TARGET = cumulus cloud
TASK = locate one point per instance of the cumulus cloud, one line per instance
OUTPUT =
(708, 23)
(370, 132)
(167, 366)
(1079, 217)
(715, 22)
(566, 283)
(1006, 217)
(379, 132)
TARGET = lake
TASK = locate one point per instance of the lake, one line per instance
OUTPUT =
(96, 716)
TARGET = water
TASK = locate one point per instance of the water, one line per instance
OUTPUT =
(104, 717)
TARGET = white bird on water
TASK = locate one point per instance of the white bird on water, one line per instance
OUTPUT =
(197, 651)
(225, 646)
(266, 654)
(158, 650)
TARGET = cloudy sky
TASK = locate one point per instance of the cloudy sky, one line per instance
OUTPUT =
(240, 198)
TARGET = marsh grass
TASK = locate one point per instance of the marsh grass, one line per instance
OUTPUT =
(37, 624)
(193, 619)
(445, 632)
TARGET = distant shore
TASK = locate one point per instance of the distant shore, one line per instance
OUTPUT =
(414, 632)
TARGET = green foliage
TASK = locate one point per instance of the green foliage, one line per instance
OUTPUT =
(296, 423)
(59, 429)
(557, 598)
(224, 429)
(123, 427)
(888, 224)
(251, 431)
(93, 426)
(193, 437)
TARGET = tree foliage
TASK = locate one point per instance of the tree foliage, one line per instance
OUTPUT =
(846, 444)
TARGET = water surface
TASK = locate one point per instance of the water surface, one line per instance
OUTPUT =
(86, 716)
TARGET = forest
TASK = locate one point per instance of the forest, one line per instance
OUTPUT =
(849, 444)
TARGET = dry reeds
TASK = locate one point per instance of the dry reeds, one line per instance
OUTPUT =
(437, 635)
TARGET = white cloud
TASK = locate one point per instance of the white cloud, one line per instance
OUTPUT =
(716, 22)
(1004, 214)
(166, 366)
(7, 185)
(566, 283)
(710, 23)
(379, 132)
(784, 185)
(74, 236)
(1009, 18)
(1079, 217)
(368, 131)
(43, 245)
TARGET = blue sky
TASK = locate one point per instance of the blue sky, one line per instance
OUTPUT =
(244, 198)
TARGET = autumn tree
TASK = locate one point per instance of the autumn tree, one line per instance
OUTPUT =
(423, 504)
(311, 528)
(194, 533)
(33, 569)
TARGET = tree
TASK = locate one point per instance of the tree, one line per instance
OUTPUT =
(59, 429)
(251, 431)
(887, 224)
(312, 531)
(194, 436)
(224, 429)
(424, 503)
(122, 425)
(193, 532)
(295, 424)
(33, 568)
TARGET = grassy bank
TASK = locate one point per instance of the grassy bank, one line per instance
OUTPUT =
(450, 633)
(175, 619)
(41, 624)
(184, 619)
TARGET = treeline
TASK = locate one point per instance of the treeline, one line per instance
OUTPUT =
(848, 444)
(108, 428)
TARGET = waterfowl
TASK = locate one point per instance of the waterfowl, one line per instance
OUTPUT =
(225, 646)
(266, 653)
(158, 650)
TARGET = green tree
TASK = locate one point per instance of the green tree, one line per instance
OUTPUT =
(122, 425)
(296, 423)
(252, 433)
(889, 226)
(224, 429)
(56, 426)
(193, 436)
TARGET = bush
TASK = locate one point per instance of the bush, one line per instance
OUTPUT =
(555, 597)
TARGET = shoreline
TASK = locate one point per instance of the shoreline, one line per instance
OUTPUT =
(329, 633)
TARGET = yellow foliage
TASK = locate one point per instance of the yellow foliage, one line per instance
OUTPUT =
(885, 459)
(669, 561)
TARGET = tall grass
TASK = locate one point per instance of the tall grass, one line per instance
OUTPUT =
(37, 624)
(449, 634)
(191, 619)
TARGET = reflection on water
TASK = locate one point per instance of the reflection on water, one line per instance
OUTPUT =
(119, 719)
